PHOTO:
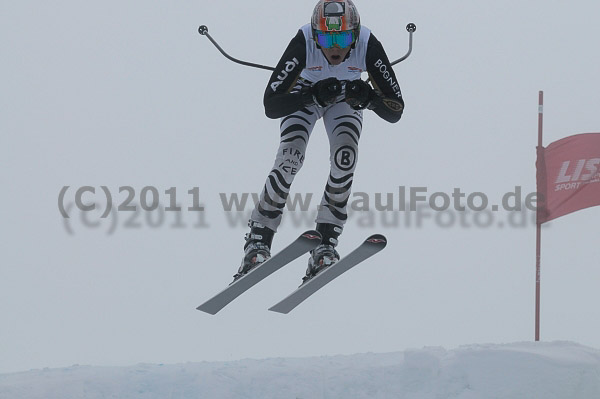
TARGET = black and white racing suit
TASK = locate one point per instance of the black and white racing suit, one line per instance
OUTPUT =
(303, 64)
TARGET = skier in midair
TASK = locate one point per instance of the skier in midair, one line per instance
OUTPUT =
(319, 76)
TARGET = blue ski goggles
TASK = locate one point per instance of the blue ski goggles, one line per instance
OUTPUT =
(331, 39)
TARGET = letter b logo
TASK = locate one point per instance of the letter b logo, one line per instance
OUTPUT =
(345, 158)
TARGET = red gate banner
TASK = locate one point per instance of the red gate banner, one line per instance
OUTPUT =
(568, 176)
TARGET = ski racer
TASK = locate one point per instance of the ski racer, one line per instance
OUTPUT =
(319, 76)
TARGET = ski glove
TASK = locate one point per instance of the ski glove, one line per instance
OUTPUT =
(324, 92)
(359, 94)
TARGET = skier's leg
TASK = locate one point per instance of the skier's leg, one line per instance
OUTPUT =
(266, 216)
(343, 126)
(295, 132)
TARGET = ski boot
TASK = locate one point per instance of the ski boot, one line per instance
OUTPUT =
(324, 255)
(257, 249)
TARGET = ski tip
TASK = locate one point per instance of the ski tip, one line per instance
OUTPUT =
(377, 239)
(276, 309)
(206, 310)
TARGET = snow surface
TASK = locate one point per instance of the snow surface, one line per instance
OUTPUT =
(557, 370)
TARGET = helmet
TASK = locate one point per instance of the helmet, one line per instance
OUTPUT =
(335, 22)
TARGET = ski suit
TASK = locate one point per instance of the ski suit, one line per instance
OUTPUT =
(303, 64)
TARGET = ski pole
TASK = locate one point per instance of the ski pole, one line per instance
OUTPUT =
(411, 28)
(203, 30)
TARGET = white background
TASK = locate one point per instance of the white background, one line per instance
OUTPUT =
(128, 94)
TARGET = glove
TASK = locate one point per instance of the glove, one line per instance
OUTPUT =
(359, 94)
(324, 92)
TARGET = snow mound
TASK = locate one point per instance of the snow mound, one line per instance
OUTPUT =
(555, 370)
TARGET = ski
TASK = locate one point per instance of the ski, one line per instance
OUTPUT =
(368, 248)
(303, 244)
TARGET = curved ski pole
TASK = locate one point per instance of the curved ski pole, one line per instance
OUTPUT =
(203, 30)
(411, 28)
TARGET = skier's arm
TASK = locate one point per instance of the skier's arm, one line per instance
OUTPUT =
(388, 102)
(278, 99)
